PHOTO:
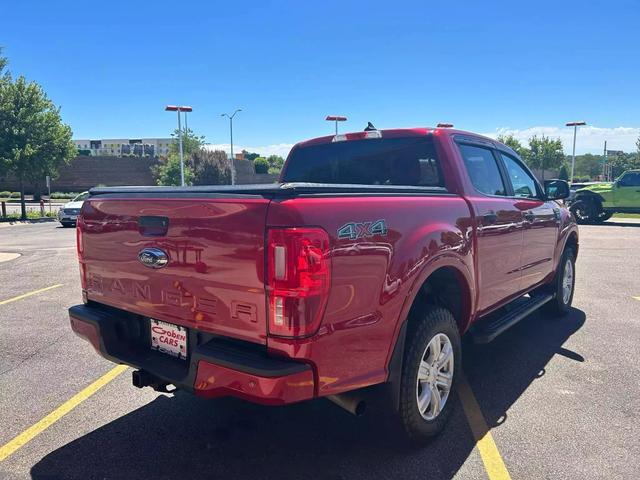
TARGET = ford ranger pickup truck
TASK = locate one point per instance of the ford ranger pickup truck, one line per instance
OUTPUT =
(365, 265)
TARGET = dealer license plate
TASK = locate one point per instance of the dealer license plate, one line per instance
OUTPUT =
(169, 338)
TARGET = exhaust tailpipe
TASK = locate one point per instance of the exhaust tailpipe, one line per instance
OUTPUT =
(351, 402)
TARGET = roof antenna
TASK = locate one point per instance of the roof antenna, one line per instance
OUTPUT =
(370, 127)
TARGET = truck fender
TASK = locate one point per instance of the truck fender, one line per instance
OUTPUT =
(396, 354)
(588, 195)
(567, 230)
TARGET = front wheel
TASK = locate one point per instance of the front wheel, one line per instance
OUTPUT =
(584, 211)
(589, 211)
(563, 285)
(432, 362)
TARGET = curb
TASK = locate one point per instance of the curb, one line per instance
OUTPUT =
(9, 223)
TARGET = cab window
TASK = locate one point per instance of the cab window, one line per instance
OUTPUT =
(630, 179)
(483, 169)
(522, 182)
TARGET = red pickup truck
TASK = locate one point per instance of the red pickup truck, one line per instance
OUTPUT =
(365, 265)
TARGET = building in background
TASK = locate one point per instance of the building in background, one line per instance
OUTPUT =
(117, 147)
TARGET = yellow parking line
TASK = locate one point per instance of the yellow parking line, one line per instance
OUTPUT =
(37, 428)
(493, 463)
(25, 295)
(637, 298)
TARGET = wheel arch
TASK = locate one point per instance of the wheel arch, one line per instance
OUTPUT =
(445, 282)
(572, 241)
(588, 195)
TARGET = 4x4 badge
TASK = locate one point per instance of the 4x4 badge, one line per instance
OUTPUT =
(355, 230)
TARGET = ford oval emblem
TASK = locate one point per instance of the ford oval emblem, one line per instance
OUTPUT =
(153, 257)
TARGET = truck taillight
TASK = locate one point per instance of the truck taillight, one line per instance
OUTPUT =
(80, 249)
(79, 245)
(299, 277)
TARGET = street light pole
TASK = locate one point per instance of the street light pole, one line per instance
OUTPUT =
(233, 167)
(336, 118)
(181, 152)
(178, 109)
(573, 156)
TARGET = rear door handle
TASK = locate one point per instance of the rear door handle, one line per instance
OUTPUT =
(489, 218)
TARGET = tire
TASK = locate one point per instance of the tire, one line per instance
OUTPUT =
(436, 330)
(584, 211)
(604, 216)
(561, 303)
(588, 211)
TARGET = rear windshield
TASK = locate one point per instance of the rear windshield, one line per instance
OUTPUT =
(384, 161)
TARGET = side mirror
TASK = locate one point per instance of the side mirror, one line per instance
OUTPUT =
(556, 189)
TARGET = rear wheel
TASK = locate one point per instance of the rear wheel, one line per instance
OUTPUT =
(429, 374)
(563, 285)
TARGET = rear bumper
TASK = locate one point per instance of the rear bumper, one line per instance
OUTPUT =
(215, 367)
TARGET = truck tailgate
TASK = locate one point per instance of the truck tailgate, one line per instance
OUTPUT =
(214, 278)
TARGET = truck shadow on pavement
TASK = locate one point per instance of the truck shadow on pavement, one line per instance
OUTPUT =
(186, 437)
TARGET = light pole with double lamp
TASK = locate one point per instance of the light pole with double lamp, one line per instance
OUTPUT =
(182, 108)
(233, 167)
(575, 126)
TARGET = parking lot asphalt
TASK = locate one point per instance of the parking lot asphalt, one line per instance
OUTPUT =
(561, 397)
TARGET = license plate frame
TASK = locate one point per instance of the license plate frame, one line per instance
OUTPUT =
(168, 338)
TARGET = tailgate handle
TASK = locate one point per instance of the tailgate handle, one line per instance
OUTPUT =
(153, 226)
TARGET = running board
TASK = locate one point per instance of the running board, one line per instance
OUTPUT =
(486, 332)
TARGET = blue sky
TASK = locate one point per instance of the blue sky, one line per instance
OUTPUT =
(520, 67)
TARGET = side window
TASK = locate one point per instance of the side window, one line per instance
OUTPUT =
(523, 183)
(483, 170)
(630, 179)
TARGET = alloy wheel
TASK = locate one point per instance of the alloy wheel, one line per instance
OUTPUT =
(435, 376)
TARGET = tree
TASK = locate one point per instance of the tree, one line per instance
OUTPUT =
(211, 167)
(275, 163)
(167, 172)
(622, 162)
(191, 143)
(544, 153)
(34, 142)
(588, 165)
(250, 156)
(4, 74)
(261, 165)
(514, 144)
(564, 172)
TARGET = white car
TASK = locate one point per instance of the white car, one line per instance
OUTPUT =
(68, 214)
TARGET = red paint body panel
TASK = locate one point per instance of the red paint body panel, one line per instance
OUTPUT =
(217, 381)
(371, 278)
(217, 264)
(215, 277)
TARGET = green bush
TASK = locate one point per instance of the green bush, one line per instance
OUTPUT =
(261, 165)
(5, 194)
(14, 195)
(32, 214)
(64, 195)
